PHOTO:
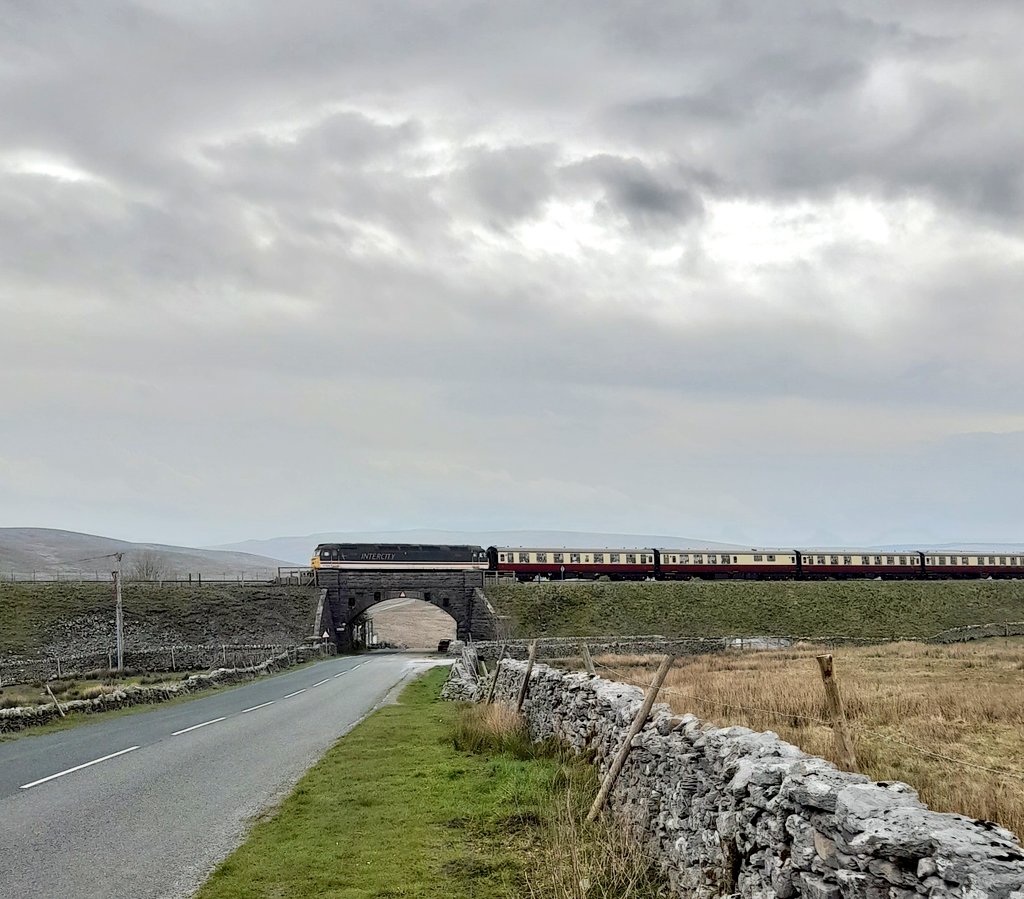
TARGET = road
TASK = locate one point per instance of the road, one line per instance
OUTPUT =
(145, 805)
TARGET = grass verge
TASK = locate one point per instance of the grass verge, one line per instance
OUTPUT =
(424, 799)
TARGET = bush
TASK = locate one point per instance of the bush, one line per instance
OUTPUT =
(492, 730)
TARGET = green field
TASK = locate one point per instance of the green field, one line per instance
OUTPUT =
(35, 615)
(791, 608)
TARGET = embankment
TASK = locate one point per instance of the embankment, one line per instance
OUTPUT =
(816, 609)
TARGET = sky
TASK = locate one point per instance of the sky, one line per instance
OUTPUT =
(728, 270)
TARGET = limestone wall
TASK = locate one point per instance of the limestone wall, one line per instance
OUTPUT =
(732, 812)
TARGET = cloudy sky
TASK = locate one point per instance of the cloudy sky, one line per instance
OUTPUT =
(735, 270)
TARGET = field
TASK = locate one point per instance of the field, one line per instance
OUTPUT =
(945, 719)
(37, 617)
(881, 609)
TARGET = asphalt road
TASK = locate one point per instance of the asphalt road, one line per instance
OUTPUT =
(145, 805)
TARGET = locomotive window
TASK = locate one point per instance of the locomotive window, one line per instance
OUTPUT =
(559, 558)
(524, 557)
(631, 558)
(542, 557)
(574, 558)
(598, 557)
(758, 559)
(613, 558)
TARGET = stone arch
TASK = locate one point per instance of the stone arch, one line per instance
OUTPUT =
(459, 593)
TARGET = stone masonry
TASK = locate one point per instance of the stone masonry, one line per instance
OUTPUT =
(731, 812)
(351, 593)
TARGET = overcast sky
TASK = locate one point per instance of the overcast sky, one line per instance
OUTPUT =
(735, 270)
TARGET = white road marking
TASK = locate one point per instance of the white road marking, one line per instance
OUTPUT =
(43, 780)
(262, 705)
(178, 733)
(317, 684)
(296, 693)
(341, 674)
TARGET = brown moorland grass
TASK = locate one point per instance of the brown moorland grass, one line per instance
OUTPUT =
(948, 720)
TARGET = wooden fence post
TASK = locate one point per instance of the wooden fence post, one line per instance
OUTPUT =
(494, 683)
(526, 677)
(634, 729)
(844, 740)
(54, 698)
(588, 661)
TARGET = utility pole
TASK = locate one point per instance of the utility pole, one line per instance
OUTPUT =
(118, 613)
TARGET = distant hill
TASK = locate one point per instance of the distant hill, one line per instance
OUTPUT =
(299, 549)
(49, 552)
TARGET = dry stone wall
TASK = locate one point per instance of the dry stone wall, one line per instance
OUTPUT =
(728, 811)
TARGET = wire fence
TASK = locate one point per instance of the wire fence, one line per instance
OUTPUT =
(286, 576)
(176, 657)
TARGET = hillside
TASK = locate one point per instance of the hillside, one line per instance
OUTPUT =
(49, 552)
(784, 608)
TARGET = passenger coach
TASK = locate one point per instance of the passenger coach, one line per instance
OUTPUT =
(527, 563)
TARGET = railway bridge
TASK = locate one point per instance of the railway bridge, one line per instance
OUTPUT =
(347, 595)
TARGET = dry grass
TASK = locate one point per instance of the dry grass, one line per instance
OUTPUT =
(960, 708)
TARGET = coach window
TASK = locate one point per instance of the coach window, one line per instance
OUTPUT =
(598, 557)
(712, 558)
(542, 557)
(631, 558)
(834, 560)
(1013, 560)
(758, 558)
(847, 560)
(889, 560)
(903, 560)
(574, 558)
(772, 559)
(878, 560)
(613, 558)
(559, 558)
(698, 559)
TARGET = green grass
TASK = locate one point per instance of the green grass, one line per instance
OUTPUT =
(394, 810)
(710, 608)
(33, 614)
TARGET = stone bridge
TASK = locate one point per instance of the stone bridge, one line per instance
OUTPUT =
(348, 594)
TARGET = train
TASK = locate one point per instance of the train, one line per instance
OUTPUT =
(672, 564)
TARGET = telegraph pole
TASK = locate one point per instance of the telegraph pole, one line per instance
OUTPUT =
(118, 613)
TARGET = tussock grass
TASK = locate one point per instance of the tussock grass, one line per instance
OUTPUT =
(960, 708)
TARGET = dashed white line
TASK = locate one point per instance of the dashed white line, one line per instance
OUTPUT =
(317, 684)
(43, 780)
(341, 674)
(178, 733)
(296, 693)
(262, 705)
